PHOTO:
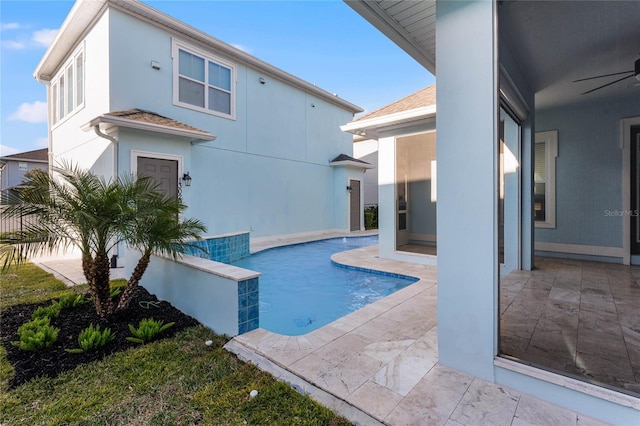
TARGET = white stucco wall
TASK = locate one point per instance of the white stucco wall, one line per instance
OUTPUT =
(367, 150)
(68, 141)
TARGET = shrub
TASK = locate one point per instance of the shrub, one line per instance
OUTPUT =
(371, 217)
(37, 334)
(70, 300)
(114, 291)
(51, 311)
(147, 330)
(91, 338)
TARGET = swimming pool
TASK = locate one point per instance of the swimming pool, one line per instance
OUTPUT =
(301, 289)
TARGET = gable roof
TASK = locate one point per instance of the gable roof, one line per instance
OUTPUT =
(85, 13)
(422, 98)
(419, 107)
(38, 156)
(149, 121)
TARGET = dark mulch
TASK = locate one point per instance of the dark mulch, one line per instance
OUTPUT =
(54, 360)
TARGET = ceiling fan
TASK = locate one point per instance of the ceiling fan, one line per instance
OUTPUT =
(632, 73)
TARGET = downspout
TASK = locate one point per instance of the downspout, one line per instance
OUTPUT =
(100, 133)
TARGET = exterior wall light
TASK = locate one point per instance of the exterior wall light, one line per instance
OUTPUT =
(349, 189)
(187, 179)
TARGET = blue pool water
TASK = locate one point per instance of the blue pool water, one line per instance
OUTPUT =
(302, 290)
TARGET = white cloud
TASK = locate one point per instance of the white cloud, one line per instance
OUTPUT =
(42, 143)
(44, 37)
(10, 26)
(7, 150)
(243, 48)
(12, 44)
(35, 112)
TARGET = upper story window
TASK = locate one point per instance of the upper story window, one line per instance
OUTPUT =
(67, 88)
(202, 81)
(544, 192)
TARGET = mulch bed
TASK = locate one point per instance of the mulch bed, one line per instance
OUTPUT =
(54, 360)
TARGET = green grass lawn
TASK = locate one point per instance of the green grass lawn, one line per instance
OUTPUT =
(176, 381)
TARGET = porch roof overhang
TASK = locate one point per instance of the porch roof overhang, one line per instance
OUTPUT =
(344, 160)
(149, 122)
(371, 128)
(409, 24)
(558, 46)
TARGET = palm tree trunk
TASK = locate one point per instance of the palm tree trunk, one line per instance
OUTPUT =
(134, 280)
(102, 294)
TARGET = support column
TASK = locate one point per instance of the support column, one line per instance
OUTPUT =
(467, 185)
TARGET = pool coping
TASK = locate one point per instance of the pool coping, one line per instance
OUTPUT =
(275, 353)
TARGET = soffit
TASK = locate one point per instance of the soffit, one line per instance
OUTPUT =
(557, 42)
(553, 42)
(409, 24)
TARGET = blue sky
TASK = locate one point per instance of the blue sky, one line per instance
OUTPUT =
(322, 42)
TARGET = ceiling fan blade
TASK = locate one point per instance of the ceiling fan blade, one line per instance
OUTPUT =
(608, 84)
(603, 75)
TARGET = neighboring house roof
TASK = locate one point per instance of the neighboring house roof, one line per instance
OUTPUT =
(36, 156)
(85, 13)
(422, 98)
(412, 109)
(347, 160)
(149, 121)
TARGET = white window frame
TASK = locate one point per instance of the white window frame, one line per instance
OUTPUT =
(179, 45)
(550, 139)
(69, 109)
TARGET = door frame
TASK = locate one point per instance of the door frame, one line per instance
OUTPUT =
(157, 155)
(360, 204)
(625, 145)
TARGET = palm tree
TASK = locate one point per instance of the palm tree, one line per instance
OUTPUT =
(156, 229)
(77, 209)
(83, 210)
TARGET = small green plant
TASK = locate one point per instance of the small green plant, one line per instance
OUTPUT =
(147, 330)
(70, 300)
(91, 338)
(114, 291)
(36, 335)
(51, 311)
(371, 217)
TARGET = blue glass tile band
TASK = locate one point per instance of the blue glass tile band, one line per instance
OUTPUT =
(248, 305)
(373, 271)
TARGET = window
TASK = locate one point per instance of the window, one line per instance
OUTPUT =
(22, 167)
(203, 82)
(544, 193)
(67, 88)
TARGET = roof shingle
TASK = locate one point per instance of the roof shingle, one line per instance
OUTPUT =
(422, 98)
(35, 155)
(152, 118)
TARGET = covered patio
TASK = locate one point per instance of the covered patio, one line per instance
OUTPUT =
(379, 365)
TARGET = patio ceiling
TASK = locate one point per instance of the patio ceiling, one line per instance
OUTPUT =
(554, 42)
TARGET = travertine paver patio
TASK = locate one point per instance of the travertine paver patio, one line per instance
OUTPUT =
(379, 365)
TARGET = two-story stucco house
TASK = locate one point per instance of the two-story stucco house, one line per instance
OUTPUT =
(246, 145)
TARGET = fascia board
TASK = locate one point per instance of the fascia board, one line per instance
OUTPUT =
(401, 117)
(349, 163)
(78, 21)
